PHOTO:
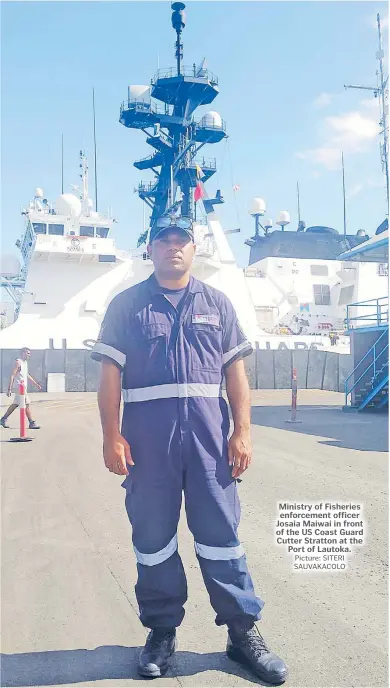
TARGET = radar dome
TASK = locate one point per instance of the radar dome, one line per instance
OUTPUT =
(139, 93)
(68, 205)
(9, 266)
(284, 218)
(38, 193)
(212, 119)
(258, 207)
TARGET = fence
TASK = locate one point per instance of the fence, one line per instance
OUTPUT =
(266, 369)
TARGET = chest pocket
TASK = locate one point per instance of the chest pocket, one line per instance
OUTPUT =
(206, 346)
(148, 365)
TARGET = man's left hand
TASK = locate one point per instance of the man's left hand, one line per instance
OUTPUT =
(240, 452)
(38, 386)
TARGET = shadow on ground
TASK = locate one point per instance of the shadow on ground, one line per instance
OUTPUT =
(108, 662)
(361, 431)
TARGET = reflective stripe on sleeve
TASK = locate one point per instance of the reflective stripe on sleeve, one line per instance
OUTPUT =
(233, 352)
(111, 352)
(219, 553)
(181, 391)
(157, 557)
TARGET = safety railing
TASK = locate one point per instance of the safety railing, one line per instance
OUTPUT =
(210, 164)
(371, 313)
(145, 106)
(194, 71)
(208, 123)
(376, 362)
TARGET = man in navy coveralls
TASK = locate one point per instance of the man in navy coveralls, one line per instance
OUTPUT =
(168, 342)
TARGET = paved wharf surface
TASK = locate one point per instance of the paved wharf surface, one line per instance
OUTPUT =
(69, 614)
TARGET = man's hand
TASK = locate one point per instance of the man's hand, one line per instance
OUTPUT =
(240, 452)
(117, 454)
(9, 393)
(38, 386)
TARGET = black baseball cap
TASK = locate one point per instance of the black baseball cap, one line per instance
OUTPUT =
(167, 222)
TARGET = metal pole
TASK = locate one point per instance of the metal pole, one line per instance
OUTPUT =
(344, 207)
(294, 398)
(383, 84)
(94, 146)
(62, 163)
(299, 208)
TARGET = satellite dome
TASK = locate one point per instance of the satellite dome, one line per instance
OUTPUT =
(361, 232)
(9, 266)
(212, 119)
(38, 193)
(139, 93)
(68, 205)
(284, 218)
(258, 207)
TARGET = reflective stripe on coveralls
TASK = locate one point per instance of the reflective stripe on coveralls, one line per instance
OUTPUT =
(176, 422)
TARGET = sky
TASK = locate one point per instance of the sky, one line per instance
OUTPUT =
(281, 66)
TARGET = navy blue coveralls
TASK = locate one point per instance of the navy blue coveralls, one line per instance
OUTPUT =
(176, 423)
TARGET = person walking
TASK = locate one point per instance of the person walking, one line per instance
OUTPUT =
(168, 341)
(20, 375)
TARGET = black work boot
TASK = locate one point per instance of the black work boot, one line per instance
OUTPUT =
(33, 426)
(160, 645)
(4, 423)
(248, 647)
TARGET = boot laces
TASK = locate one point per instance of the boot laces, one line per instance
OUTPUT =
(256, 642)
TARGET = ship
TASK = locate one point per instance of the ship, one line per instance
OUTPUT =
(293, 293)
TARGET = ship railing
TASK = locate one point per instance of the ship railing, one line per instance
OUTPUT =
(370, 313)
(209, 164)
(193, 71)
(145, 106)
(145, 187)
(203, 123)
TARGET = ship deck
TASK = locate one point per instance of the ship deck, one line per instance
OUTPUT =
(69, 613)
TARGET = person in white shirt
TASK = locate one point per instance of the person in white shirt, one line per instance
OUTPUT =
(20, 374)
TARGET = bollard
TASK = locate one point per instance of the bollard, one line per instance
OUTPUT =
(22, 414)
(294, 397)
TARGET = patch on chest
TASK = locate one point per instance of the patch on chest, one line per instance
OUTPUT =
(205, 319)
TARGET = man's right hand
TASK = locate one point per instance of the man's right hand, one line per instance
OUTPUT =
(9, 393)
(117, 454)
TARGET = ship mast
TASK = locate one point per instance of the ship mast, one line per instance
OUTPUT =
(172, 131)
(382, 92)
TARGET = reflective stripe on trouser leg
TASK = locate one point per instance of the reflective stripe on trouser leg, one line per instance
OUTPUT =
(153, 502)
(221, 556)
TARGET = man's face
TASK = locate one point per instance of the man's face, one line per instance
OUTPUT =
(26, 354)
(172, 253)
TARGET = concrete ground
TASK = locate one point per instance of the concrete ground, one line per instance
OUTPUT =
(69, 614)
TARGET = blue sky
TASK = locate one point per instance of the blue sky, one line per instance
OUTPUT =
(281, 67)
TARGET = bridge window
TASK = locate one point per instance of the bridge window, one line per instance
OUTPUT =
(321, 294)
(102, 232)
(39, 227)
(86, 231)
(56, 229)
(319, 270)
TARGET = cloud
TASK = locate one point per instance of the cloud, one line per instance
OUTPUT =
(323, 100)
(351, 132)
(364, 185)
